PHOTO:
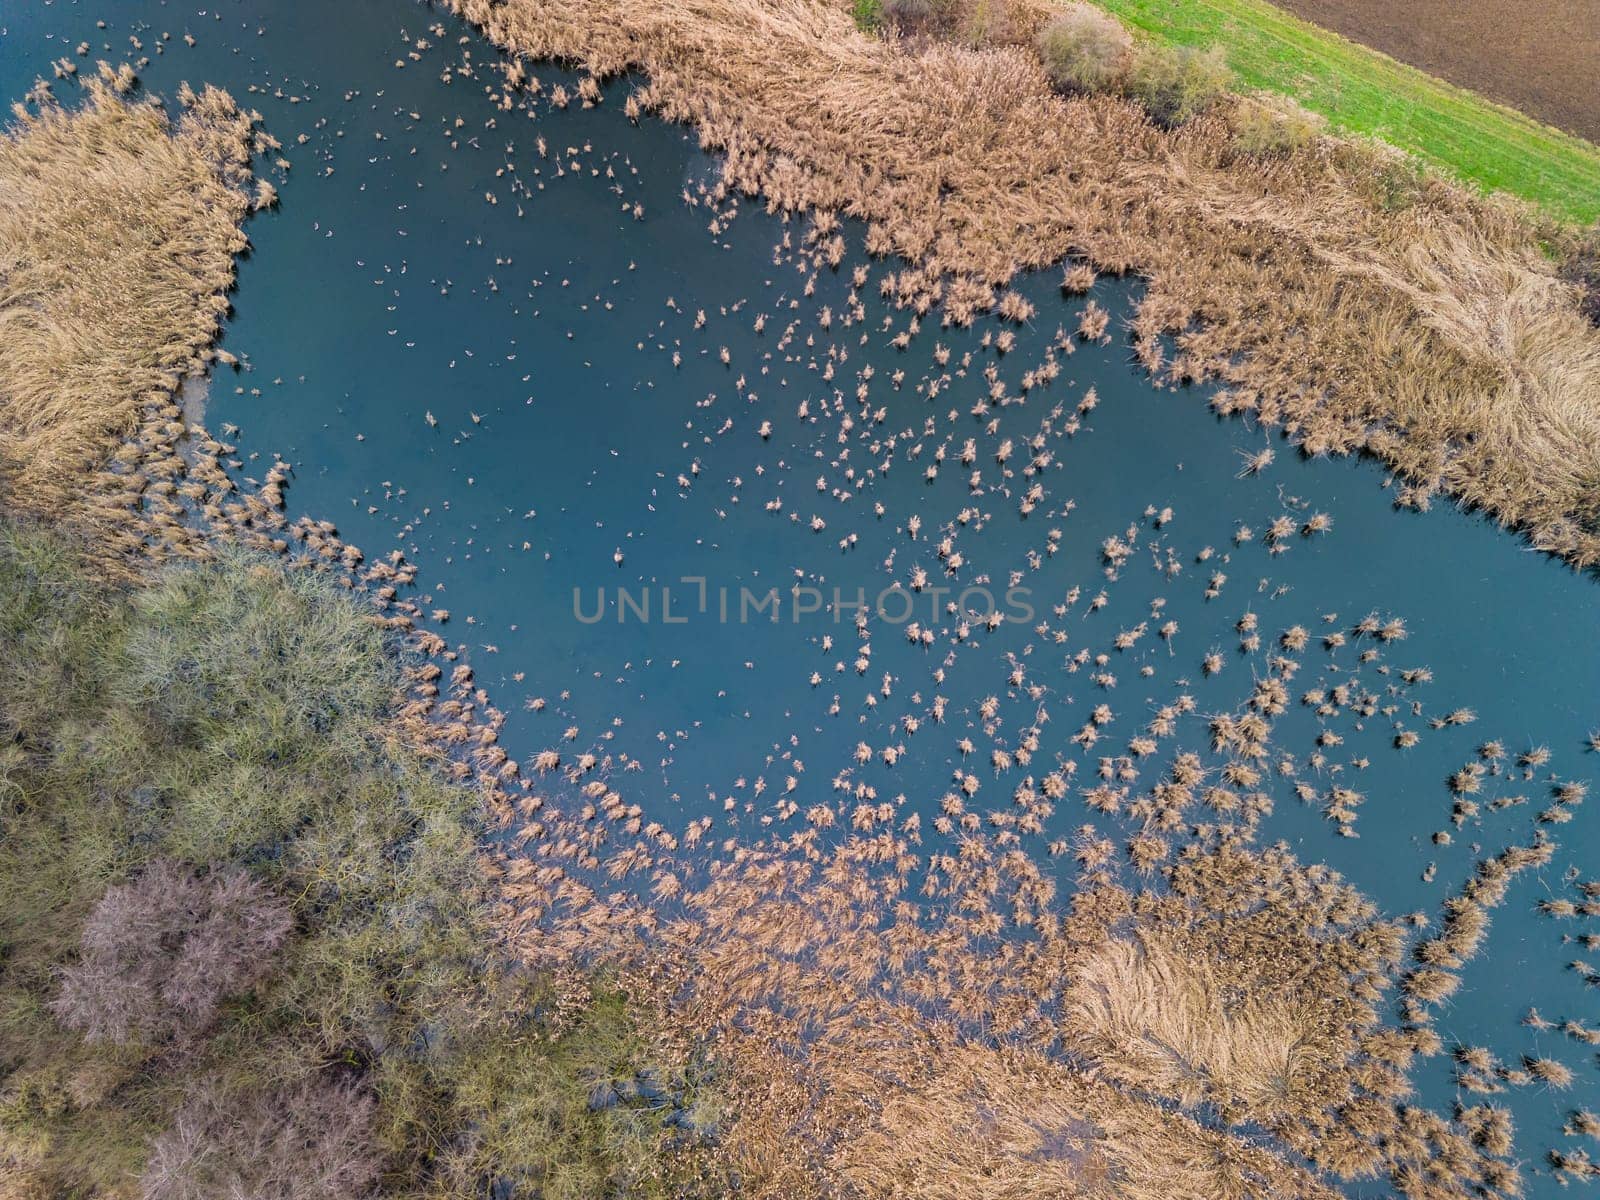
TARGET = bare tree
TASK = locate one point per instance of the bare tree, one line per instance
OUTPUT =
(161, 952)
(312, 1142)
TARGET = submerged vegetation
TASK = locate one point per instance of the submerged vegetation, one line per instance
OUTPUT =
(1333, 289)
(247, 946)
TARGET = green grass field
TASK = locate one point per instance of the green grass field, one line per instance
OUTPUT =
(1363, 91)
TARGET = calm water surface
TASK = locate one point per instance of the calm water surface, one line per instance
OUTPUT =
(473, 329)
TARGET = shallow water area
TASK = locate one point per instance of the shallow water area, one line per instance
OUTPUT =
(473, 324)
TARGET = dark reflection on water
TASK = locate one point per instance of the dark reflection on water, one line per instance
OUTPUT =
(537, 335)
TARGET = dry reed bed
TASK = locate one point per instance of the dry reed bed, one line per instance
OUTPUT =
(118, 231)
(869, 1051)
(859, 1026)
(1332, 292)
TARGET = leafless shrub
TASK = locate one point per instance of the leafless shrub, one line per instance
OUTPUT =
(919, 16)
(1084, 49)
(1269, 126)
(988, 23)
(313, 1142)
(1178, 83)
(161, 952)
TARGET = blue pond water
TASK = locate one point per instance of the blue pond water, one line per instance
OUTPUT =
(473, 329)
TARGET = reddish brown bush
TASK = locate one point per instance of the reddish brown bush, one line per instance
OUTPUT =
(313, 1142)
(161, 952)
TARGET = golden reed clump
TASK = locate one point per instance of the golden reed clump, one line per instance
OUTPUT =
(1331, 291)
(118, 231)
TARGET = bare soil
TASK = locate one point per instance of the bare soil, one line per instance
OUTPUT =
(1542, 58)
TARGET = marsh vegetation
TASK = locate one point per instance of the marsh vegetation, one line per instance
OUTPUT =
(275, 878)
(248, 946)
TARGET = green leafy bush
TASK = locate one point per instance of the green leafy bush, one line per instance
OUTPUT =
(868, 15)
(1391, 179)
(237, 645)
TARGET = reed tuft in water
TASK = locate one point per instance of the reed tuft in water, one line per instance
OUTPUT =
(118, 231)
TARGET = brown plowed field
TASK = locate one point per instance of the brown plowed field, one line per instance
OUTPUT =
(1541, 57)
